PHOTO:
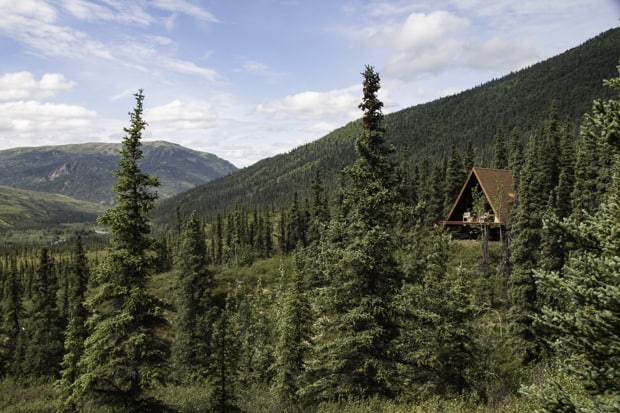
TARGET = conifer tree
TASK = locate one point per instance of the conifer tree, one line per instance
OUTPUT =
(352, 354)
(469, 158)
(500, 154)
(76, 332)
(319, 208)
(436, 344)
(454, 180)
(566, 179)
(526, 229)
(44, 328)
(225, 354)
(516, 157)
(195, 315)
(293, 334)
(12, 313)
(586, 316)
(123, 355)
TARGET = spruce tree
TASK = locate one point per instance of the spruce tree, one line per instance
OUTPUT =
(500, 153)
(353, 347)
(225, 355)
(44, 329)
(436, 344)
(76, 331)
(454, 180)
(12, 314)
(585, 317)
(526, 230)
(293, 334)
(195, 309)
(123, 355)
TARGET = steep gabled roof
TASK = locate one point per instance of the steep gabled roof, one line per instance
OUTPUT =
(497, 187)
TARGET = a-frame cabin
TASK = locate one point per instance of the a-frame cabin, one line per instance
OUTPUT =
(485, 199)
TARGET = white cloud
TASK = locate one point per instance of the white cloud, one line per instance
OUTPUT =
(23, 85)
(423, 43)
(113, 10)
(36, 29)
(34, 9)
(185, 7)
(187, 67)
(340, 103)
(254, 67)
(177, 116)
(47, 123)
(39, 31)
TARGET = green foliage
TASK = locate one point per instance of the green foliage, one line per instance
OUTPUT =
(195, 308)
(123, 355)
(293, 329)
(44, 342)
(36, 397)
(352, 350)
(225, 355)
(585, 316)
(12, 313)
(436, 340)
(76, 332)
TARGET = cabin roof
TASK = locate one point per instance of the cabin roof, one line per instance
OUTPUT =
(497, 186)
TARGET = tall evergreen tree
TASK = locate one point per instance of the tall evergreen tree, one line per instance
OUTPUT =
(76, 332)
(225, 354)
(526, 229)
(469, 159)
(500, 153)
(195, 315)
(12, 313)
(436, 344)
(586, 316)
(44, 328)
(454, 180)
(123, 354)
(352, 353)
(293, 334)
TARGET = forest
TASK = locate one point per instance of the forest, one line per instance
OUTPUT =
(349, 298)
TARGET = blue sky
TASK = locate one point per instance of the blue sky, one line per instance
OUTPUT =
(247, 79)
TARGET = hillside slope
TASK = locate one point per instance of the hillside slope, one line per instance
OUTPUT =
(29, 209)
(85, 171)
(519, 100)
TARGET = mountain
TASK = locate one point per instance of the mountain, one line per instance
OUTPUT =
(29, 209)
(519, 101)
(85, 171)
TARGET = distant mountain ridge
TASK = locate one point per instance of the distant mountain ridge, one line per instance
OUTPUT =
(85, 171)
(29, 209)
(518, 100)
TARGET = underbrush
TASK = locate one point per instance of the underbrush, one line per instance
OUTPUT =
(33, 398)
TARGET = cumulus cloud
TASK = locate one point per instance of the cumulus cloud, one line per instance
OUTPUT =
(178, 115)
(423, 43)
(48, 123)
(23, 85)
(311, 104)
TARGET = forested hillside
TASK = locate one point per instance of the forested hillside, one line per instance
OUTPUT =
(350, 299)
(517, 104)
(85, 171)
(20, 209)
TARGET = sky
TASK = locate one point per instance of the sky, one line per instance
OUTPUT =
(249, 79)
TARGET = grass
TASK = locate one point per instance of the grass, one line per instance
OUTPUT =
(33, 398)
